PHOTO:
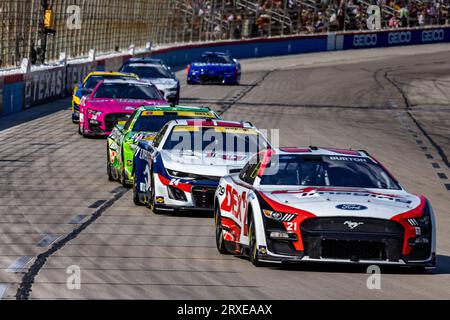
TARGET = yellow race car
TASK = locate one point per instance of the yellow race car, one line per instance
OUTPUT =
(88, 85)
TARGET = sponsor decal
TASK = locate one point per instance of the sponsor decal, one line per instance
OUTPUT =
(432, 35)
(353, 224)
(44, 86)
(159, 200)
(365, 40)
(352, 159)
(221, 190)
(351, 207)
(129, 163)
(399, 37)
(262, 249)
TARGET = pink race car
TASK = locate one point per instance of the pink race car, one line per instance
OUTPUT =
(115, 100)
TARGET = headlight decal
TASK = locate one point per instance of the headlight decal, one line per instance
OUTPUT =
(405, 219)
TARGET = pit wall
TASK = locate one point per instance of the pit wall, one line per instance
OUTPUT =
(21, 91)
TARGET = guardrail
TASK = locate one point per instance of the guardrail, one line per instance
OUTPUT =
(20, 91)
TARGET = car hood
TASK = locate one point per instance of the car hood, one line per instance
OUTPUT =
(217, 165)
(350, 202)
(213, 66)
(126, 105)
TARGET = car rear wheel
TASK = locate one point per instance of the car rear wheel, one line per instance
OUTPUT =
(136, 192)
(152, 201)
(123, 175)
(253, 252)
(220, 242)
(108, 166)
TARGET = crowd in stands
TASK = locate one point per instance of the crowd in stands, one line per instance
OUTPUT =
(234, 19)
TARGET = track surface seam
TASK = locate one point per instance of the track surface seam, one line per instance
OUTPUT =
(25, 287)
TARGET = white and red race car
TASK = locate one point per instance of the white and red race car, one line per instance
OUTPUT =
(324, 205)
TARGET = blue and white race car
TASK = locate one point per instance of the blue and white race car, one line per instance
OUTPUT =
(214, 67)
(181, 168)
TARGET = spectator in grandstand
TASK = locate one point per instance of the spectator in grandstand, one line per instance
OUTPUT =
(421, 18)
(431, 13)
(393, 22)
(403, 13)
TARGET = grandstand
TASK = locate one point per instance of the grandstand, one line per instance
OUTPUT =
(110, 26)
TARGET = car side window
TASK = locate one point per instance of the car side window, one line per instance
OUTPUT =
(129, 121)
(160, 136)
(248, 173)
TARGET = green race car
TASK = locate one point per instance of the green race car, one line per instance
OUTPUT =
(143, 124)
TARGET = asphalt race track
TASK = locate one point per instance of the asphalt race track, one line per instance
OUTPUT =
(57, 208)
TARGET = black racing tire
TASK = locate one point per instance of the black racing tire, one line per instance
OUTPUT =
(135, 192)
(152, 201)
(253, 248)
(220, 242)
(123, 175)
(189, 82)
(108, 166)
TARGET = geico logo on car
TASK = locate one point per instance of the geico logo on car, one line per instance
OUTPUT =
(399, 37)
(364, 40)
(433, 35)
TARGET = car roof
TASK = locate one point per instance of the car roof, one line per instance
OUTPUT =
(144, 60)
(110, 73)
(213, 123)
(176, 108)
(128, 81)
(322, 151)
(138, 64)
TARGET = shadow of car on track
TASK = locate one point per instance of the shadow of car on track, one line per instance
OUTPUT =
(442, 267)
(188, 214)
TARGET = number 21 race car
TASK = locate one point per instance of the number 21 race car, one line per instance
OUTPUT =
(323, 205)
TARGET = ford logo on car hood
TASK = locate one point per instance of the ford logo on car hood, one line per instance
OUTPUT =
(350, 206)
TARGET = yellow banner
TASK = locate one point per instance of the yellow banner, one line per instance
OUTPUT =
(235, 130)
(186, 129)
(152, 113)
(196, 114)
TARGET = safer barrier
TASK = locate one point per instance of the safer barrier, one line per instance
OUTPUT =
(21, 91)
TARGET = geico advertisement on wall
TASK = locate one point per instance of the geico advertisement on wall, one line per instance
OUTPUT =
(365, 40)
(433, 35)
(400, 37)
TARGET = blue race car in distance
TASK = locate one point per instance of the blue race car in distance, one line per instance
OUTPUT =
(214, 67)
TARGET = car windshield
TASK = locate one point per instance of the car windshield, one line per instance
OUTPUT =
(147, 122)
(128, 91)
(327, 171)
(148, 71)
(215, 140)
(214, 59)
(92, 81)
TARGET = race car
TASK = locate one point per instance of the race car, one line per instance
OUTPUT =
(89, 83)
(322, 205)
(214, 67)
(114, 100)
(158, 73)
(181, 169)
(143, 124)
